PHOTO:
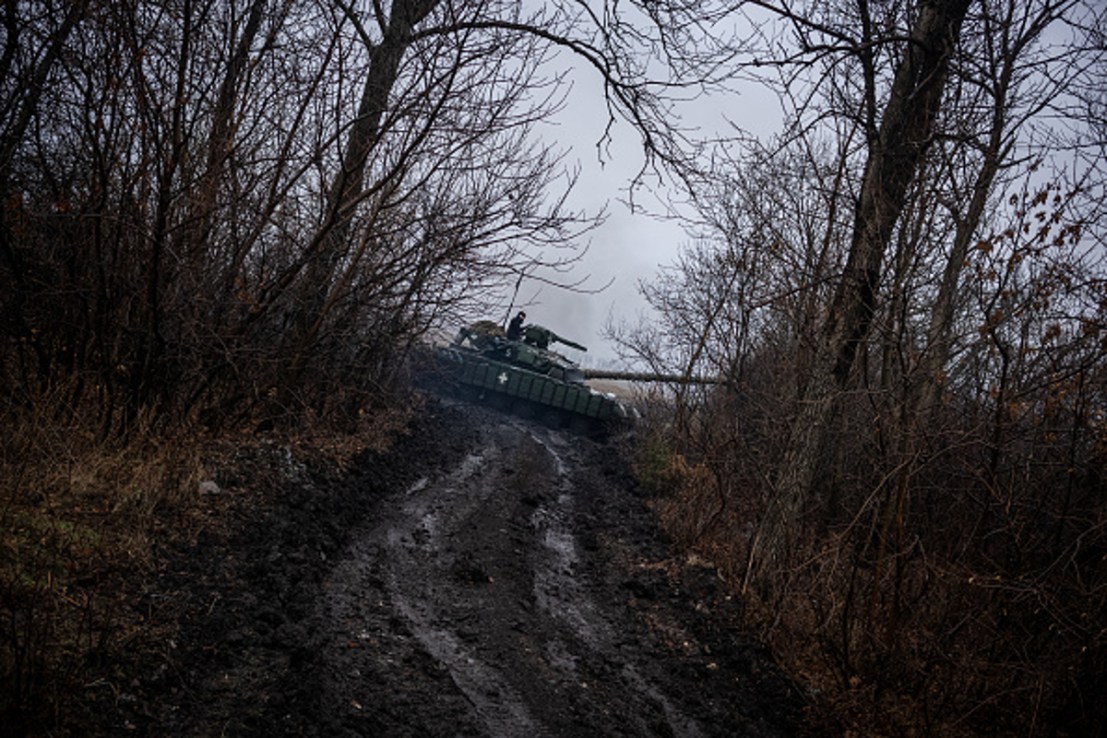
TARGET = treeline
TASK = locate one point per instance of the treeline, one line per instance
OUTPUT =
(905, 295)
(216, 210)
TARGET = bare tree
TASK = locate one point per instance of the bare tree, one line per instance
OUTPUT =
(251, 176)
(896, 147)
(920, 293)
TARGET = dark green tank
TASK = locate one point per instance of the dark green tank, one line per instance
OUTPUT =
(527, 375)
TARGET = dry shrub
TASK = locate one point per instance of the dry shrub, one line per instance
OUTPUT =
(684, 494)
(976, 602)
(693, 505)
(930, 648)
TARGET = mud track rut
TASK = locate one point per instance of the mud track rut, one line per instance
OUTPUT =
(489, 577)
(492, 599)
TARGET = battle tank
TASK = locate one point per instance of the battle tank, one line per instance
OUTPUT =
(527, 376)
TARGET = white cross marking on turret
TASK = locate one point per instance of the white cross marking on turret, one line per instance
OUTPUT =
(502, 377)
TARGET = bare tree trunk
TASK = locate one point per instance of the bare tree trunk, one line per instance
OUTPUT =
(146, 384)
(15, 127)
(895, 154)
(13, 133)
(994, 151)
(939, 339)
(221, 137)
(346, 190)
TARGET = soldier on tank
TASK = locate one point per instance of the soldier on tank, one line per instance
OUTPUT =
(515, 327)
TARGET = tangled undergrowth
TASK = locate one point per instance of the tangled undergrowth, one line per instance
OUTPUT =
(937, 638)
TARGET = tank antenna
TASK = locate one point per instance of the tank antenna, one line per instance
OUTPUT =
(511, 306)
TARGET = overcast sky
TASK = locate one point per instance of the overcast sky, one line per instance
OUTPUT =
(629, 247)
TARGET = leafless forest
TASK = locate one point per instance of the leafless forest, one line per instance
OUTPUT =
(222, 215)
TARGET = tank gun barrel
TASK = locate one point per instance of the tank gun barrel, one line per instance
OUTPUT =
(542, 337)
(650, 377)
(567, 342)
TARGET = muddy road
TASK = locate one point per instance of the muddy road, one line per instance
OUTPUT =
(489, 577)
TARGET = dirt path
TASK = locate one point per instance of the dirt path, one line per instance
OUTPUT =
(495, 578)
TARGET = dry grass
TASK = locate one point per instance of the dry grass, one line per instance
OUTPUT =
(78, 518)
(80, 522)
(373, 431)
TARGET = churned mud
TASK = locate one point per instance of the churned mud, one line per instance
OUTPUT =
(488, 577)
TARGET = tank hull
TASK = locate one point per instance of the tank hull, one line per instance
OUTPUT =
(493, 379)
